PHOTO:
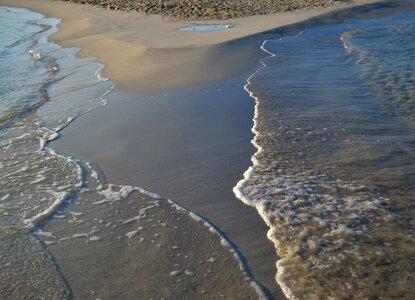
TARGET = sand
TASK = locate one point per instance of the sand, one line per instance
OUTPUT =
(148, 52)
(149, 58)
(191, 145)
(165, 254)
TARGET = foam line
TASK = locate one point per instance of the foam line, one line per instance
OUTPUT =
(116, 193)
(99, 75)
(238, 189)
(60, 199)
(226, 243)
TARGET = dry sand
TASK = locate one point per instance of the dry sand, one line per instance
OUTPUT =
(148, 52)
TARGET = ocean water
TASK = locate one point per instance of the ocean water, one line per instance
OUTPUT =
(43, 88)
(334, 171)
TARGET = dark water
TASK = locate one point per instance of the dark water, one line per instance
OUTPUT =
(334, 175)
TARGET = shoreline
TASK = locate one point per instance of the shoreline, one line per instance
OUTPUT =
(198, 174)
(137, 59)
(172, 52)
(251, 172)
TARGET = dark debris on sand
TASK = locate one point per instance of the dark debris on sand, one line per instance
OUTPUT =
(208, 9)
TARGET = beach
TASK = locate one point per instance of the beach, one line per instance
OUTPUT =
(178, 124)
(107, 34)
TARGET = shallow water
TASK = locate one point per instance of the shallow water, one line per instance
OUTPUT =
(34, 180)
(206, 27)
(334, 172)
(43, 229)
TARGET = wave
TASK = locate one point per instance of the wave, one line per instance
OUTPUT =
(308, 180)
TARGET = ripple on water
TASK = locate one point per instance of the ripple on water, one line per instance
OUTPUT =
(334, 173)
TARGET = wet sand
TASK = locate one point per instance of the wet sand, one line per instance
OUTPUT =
(142, 248)
(190, 145)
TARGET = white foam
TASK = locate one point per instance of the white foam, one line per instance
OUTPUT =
(39, 178)
(109, 91)
(59, 128)
(59, 216)
(40, 232)
(95, 239)
(111, 195)
(175, 273)
(131, 234)
(208, 27)
(53, 136)
(94, 230)
(142, 214)
(5, 197)
(224, 241)
(99, 75)
(35, 55)
(60, 199)
(74, 213)
(280, 197)
(238, 189)
(80, 235)
(103, 100)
